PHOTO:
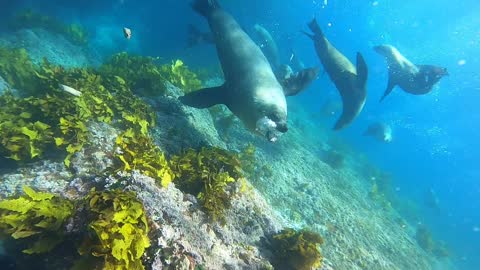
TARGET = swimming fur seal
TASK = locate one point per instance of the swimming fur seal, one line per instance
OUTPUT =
(380, 131)
(251, 90)
(351, 82)
(294, 82)
(268, 45)
(413, 79)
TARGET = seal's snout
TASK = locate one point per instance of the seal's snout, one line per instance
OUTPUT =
(282, 127)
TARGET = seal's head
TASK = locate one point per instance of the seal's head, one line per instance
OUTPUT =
(272, 124)
(270, 129)
(432, 74)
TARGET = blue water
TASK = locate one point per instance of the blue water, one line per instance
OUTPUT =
(435, 142)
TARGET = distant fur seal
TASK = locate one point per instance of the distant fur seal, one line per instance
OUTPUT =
(251, 90)
(380, 131)
(413, 79)
(294, 82)
(295, 62)
(350, 81)
(268, 45)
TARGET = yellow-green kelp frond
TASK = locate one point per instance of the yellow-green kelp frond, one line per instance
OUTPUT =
(207, 174)
(136, 151)
(120, 230)
(297, 250)
(51, 116)
(140, 73)
(181, 76)
(37, 218)
(145, 76)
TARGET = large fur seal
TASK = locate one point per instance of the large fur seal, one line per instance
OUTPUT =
(413, 79)
(350, 81)
(251, 90)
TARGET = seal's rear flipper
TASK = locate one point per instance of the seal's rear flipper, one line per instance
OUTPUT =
(205, 7)
(353, 102)
(389, 89)
(205, 98)
(313, 25)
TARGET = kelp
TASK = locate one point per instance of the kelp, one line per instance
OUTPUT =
(181, 76)
(36, 218)
(16, 68)
(50, 117)
(120, 230)
(298, 250)
(145, 76)
(113, 227)
(208, 174)
(136, 151)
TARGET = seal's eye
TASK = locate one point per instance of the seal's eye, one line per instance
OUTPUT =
(274, 117)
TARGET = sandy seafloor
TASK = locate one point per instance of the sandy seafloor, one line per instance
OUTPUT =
(299, 190)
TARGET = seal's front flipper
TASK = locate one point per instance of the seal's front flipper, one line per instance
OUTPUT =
(205, 98)
(362, 71)
(298, 82)
(389, 89)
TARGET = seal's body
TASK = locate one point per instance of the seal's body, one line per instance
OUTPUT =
(349, 80)
(413, 79)
(251, 90)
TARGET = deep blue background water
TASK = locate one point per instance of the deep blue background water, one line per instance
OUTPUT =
(436, 137)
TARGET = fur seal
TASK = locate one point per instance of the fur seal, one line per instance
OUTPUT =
(294, 82)
(380, 131)
(268, 45)
(413, 79)
(351, 82)
(251, 90)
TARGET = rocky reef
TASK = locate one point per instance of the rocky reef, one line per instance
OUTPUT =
(152, 184)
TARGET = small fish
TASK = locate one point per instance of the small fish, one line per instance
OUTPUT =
(127, 33)
(70, 90)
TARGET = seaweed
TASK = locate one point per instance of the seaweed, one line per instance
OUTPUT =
(136, 151)
(181, 76)
(424, 238)
(144, 76)
(112, 224)
(120, 229)
(297, 250)
(36, 218)
(140, 73)
(51, 117)
(208, 174)
(17, 69)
